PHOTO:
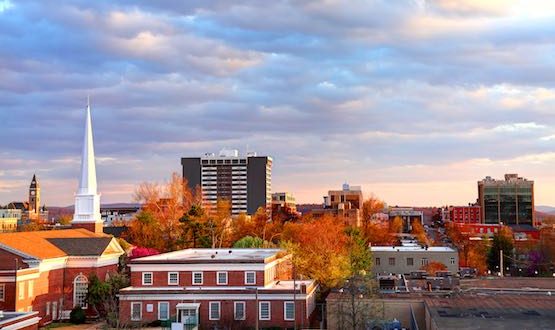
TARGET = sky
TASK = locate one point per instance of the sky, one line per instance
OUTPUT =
(414, 100)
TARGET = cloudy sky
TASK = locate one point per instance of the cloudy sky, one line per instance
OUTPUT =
(414, 100)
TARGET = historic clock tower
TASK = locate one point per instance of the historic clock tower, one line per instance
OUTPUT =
(34, 198)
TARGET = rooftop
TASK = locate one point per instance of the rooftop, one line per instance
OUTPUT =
(213, 255)
(482, 311)
(411, 249)
(47, 244)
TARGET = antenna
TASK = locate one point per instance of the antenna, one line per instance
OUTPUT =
(88, 101)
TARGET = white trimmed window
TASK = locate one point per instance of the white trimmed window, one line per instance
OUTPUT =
(173, 278)
(239, 310)
(264, 309)
(250, 278)
(2, 292)
(197, 278)
(221, 278)
(147, 278)
(30, 289)
(452, 261)
(214, 310)
(424, 261)
(163, 311)
(21, 291)
(288, 310)
(136, 311)
(80, 290)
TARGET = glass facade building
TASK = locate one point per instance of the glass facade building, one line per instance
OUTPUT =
(510, 201)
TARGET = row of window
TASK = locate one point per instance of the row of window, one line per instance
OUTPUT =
(410, 261)
(215, 310)
(198, 278)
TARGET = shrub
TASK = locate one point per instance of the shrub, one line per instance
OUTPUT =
(77, 315)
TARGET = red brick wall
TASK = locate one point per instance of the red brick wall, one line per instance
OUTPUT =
(48, 288)
(234, 278)
(7, 261)
(227, 314)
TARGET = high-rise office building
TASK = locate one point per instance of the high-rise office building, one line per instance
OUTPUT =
(245, 181)
(510, 201)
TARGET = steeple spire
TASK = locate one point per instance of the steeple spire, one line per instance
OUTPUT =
(87, 185)
(87, 200)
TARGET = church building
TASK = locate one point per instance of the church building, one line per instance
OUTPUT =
(48, 271)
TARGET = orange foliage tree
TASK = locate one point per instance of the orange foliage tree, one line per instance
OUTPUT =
(370, 207)
(396, 226)
(378, 234)
(433, 266)
(420, 233)
(319, 249)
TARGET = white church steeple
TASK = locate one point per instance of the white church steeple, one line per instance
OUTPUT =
(87, 200)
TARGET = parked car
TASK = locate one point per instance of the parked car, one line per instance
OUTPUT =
(467, 272)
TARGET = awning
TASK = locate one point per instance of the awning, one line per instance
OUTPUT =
(187, 305)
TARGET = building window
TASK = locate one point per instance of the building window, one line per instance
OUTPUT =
(80, 290)
(222, 278)
(289, 311)
(30, 289)
(21, 291)
(197, 278)
(147, 278)
(136, 311)
(424, 261)
(47, 308)
(2, 292)
(378, 261)
(163, 311)
(264, 310)
(410, 261)
(392, 261)
(173, 278)
(214, 310)
(452, 261)
(239, 310)
(250, 277)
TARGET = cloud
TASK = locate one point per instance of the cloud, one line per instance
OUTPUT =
(374, 92)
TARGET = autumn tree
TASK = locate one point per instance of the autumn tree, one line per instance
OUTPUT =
(370, 208)
(396, 226)
(379, 234)
(319, 249)
(64, 219)
(502, 241)
(434, 266)
(158, 224)
(419, 232)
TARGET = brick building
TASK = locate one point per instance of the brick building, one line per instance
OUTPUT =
(465, 214)
(237, 288)
(48, 271)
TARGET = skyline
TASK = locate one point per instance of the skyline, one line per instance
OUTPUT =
(413, 100)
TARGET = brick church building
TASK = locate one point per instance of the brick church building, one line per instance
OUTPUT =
(48, 271)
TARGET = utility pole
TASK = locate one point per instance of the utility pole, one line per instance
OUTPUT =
(501, 263)
(294, 299)
(257, 311)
